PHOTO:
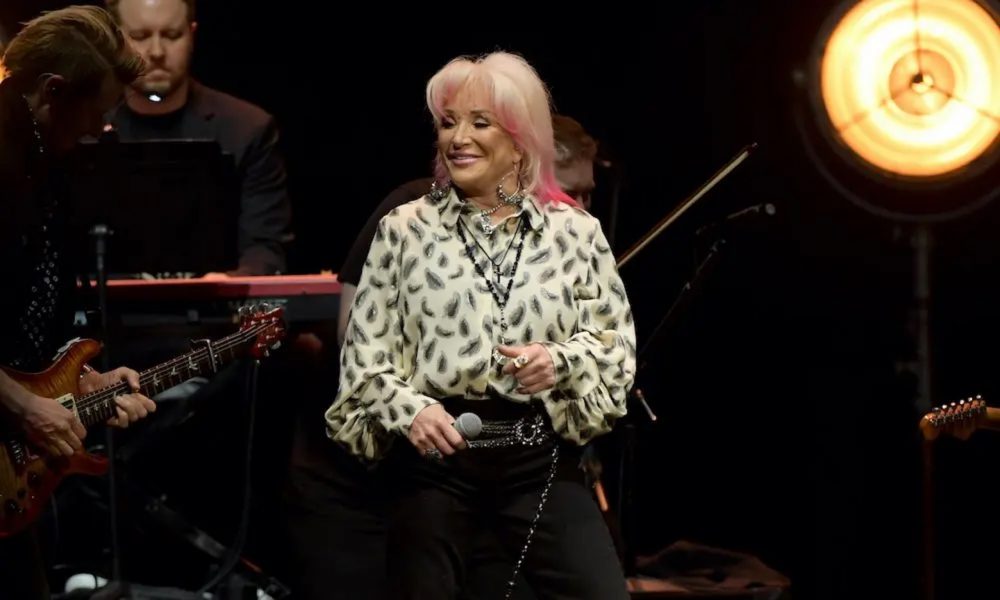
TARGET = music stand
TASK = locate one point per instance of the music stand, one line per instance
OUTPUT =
(165, 208)
(171, 206)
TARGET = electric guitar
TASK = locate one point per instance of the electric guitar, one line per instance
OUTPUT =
(28, 478)
(960, 419)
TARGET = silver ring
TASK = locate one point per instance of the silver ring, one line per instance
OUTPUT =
(499, 358)
(433, 453)
(521, 360)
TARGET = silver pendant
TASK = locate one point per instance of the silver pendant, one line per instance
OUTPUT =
(485, 225)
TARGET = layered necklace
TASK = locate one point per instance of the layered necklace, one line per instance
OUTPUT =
(500, 292)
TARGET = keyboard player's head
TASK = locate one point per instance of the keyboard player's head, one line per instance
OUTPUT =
(162, 31)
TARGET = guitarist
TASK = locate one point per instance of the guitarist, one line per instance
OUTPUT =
(65, 70)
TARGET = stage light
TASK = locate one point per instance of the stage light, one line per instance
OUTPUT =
(911, 88)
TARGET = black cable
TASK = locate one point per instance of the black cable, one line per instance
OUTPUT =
(236, 549)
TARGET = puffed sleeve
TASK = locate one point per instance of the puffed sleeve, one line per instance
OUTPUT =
(375, 402)
(595, 367)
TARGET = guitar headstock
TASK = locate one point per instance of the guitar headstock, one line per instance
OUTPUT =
(267, 323)
(959, 419)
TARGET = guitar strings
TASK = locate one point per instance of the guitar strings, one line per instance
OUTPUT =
(229, 342)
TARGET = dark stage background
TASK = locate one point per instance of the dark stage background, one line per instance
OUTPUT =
(785, 394)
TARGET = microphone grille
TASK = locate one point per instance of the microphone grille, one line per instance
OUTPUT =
(469, 425)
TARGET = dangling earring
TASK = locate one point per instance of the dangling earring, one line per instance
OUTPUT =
(514, 199)
(439, 190)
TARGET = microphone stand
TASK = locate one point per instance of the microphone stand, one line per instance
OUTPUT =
(683, 300)
(100, 233)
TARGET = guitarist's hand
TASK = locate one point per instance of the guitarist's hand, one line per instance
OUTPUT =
(52, 427)
(131, 407)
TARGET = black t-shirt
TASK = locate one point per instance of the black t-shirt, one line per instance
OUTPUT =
(350, 271)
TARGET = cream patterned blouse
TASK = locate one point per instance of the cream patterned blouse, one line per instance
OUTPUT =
(424, 321)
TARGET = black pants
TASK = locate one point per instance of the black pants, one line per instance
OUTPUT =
(22, 571)
(441, 508)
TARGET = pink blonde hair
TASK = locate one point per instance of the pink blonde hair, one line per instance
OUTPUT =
(520, 101)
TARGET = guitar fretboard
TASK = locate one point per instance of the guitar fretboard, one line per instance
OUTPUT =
(98, 407)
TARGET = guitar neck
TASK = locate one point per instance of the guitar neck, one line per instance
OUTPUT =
(99, 406)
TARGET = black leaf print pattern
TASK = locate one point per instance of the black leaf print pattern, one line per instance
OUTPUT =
(547, 275)
(443, 261)
(616, 288)
(536, 241)
(359, 361)
(460, 272)
(376, 283)
(393, 414)
(424, 308)
(393, 237)
(457, 379)
(451, 307)
(551, 334)
(414, 226)
(471, 348)
(433, 281)
(591, 236)
(420, 215)
(379, 358)
(517, 315)
(381, 332)
(604, 309)
(562, 244)
(585, 317)
(470, 298)
(359, 299)
(351, 375)
(442, 366)
(549, 295)
(568, 266)
(571, 230)
(413, 288)
(540, 257)
(536, 306)
(408, 409)
(567, 296)
(406, 307)
(445, 333)
(479, 369)
(628, 316)
(581, 255)
(559, 322)
(429, 349)
(372, 313)
(463, 328)
(358, 333)
(408, 265)
(429, 250)
(422, 329)
(392, 396)
(434, 389)
(529, 333)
